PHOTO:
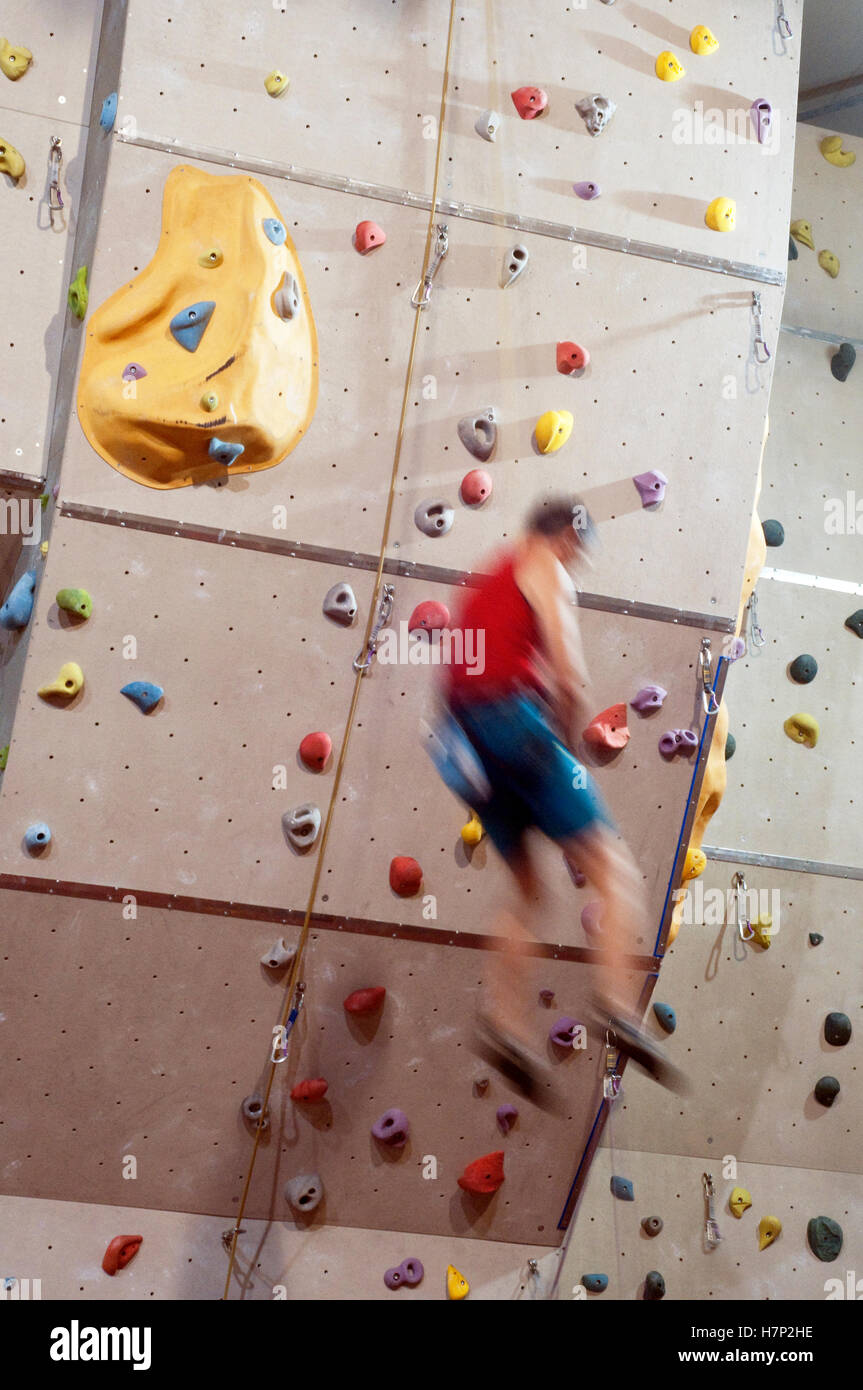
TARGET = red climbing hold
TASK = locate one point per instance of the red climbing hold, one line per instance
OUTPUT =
(476, 487)
(315, 1089)
(365, 1001)
(571, 357)
(484, 1174)
(405, 876)
(529, 101)
(121, 1250)
(608, 729)
(429, 616)
(315, 749)
(368, 236)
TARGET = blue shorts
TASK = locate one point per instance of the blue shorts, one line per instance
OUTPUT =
(535, 780)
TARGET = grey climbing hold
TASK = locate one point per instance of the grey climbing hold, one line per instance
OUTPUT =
(827, 1089)
(340, 604)
(108, 113)
(487, 124)
(189, 325)
(595, 1283)
(793, 253)
(302, 825)
(225, 451)
(254, 1112)
(434, 518)
(304, 1192)
(803, 669)
(815, 938)
(596, 111)
(842, 361)
(17, 609)
(774, 532)
(837, 1029)
(37, 836)
(478, 433)
(855, 622)
(730, 747)
(825, 1238)
(665, 1017)
(654, 1286)
(514, 263)
(279, 955)
(651, 1225)
(145, 694)
(286, 300)
(622, 1188)
(274, 230)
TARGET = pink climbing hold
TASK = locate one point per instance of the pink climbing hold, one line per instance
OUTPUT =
(392, 1129)
(506, 1117)
(365, 1001)
(315, 749)
(529, 101)
(429, 616)
(608, 729)
(314, 1089)
(405, 876)
(562, 1034)
(368, 236)
(591, 919)
(484, 1175)
(476, 487)
(571, 358)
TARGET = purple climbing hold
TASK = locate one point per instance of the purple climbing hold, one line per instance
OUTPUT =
(737, 649)
(761, 113)
(578, 878)
(649, 697)
(547, 997)
(651, 487)
(591, 918)
(133, 371)
(678, 741)
(506, 1117)
(562, 1034)
(409, 1273)
(587, 190)
(392, 1129)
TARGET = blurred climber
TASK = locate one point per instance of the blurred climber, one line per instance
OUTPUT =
(521, 709)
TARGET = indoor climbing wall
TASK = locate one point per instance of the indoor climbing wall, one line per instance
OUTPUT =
(207, 520)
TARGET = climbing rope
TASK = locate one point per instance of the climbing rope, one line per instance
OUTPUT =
(378, 606)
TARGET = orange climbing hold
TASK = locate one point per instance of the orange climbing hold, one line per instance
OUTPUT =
(405, 876)
(608, 729)
(121, 1250)
(365, 1001)
(315, 1089)
(484, 1175)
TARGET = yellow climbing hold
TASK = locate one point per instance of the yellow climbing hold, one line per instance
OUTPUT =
(694, 864)
(209, 400)
(739, 1201)
(801, 230)
(831, 148)
(702, 41)
(14, 61)
(69, 681)
(472, 832)
(11, 162)
(553, 430)
(802, 728)
(762, 930)
(456, 1284)
(720, 215)
(276, 83)
(211, 258)
(669, 68)
(769, 1228)
(829, 261)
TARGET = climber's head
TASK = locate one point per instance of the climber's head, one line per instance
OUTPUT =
(565, 524)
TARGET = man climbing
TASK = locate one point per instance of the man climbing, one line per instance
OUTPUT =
(522, 709)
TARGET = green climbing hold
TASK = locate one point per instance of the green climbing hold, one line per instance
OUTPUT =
(825, 1238)
(803, 669)
(76, 601)
(855, 622)
(43, 500)
(4, 757)
(774, 532)
(595, 1283)
(78, 295)
(654, 1286)
(837, 1029)
(730, 747)
(209, 400)
(827, 1089)
(815, 938)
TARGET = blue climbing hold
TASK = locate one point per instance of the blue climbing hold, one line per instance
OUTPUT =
(223, 451)
(595, 1283)
(188, 326)
(622, 1188)
(665, 1017)
(274, 229)
(144, 694)
(109, 112)
(19, 603)
(37, 836)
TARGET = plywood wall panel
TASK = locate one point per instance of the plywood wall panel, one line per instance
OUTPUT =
(657, 173)
(63, 39)
(828, 198)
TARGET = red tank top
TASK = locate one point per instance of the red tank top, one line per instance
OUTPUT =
(495, 640)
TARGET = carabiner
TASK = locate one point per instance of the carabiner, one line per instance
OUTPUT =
(760, 344)
(708, 695)
(421, 296)
(782, 22)
(744, 925)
